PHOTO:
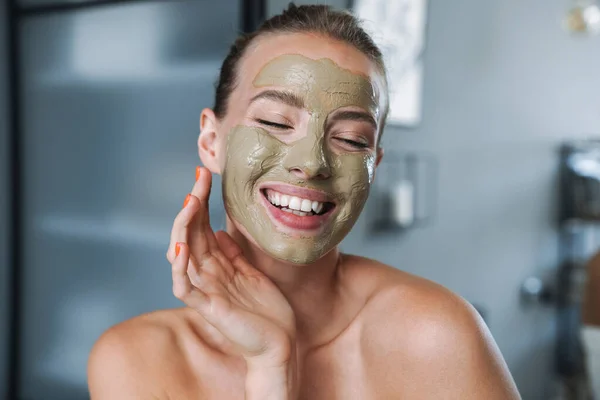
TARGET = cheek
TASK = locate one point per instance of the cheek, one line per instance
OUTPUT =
(222, 154)
(240, 162)
(354, 175)
(250, 154)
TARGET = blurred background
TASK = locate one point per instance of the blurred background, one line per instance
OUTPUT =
(492, 190)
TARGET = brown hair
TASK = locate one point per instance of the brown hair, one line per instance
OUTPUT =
(320, 19)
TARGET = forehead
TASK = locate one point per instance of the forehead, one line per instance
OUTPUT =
(308, 62)
(321, 83)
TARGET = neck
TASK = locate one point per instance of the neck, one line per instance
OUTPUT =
(311, 289)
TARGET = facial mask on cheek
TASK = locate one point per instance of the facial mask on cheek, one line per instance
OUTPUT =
(254, 157)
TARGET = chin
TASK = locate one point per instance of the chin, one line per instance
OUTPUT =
(294, 255)
(279, 248)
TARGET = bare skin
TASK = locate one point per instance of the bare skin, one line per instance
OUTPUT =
(256, 327)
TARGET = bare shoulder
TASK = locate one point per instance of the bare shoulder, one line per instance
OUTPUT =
(130, 359)
(392, 290)
(431, 334)
(408, 293)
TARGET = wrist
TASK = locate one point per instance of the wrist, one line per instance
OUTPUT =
(279, 352)
(269, 383)
(272, 376)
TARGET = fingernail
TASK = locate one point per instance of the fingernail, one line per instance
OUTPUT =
(177, 249)
(197, 173)
(187, 200)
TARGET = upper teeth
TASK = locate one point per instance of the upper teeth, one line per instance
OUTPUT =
(293, 202)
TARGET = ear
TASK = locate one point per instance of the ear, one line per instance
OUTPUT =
(207, 141)
(378, 159)
(379, 156)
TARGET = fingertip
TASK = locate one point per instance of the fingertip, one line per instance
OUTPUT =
(202, 173)
(205, 174)
(177, 249)
(203, 184)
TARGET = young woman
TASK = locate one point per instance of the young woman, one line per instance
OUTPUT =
(273, 309)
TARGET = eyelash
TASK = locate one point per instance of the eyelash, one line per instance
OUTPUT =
(273, 124)
(358, 145)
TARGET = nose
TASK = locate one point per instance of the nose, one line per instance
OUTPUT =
(307, 160)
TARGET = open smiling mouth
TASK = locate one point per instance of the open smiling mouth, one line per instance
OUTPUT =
(295, 205)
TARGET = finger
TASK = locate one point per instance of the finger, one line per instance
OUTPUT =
(203, 238)
(182, 286)
(201, 190)
(234, 253)
(181, 282)
(214, 264)
(181, 224)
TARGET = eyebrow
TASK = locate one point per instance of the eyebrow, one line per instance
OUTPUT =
(349, 115)
(289, 98)
(294, 100)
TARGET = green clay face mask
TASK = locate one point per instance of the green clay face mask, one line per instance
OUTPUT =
(256, 159)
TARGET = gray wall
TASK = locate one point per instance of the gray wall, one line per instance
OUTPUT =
(504, 85)
(4, 190)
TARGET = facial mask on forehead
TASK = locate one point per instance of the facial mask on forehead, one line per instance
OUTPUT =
(256, 158)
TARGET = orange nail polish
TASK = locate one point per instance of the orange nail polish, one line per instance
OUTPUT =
(197, 173)
(177, 249)
(187, 200)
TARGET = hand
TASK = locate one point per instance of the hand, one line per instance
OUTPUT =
(211, 275)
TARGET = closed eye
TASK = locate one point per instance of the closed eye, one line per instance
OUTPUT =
(273, 124)
(353, 143)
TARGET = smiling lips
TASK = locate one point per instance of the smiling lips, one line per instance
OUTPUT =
(295, 205)
(297, 208)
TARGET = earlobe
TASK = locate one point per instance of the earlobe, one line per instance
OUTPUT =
(207, 141)
(379, 156)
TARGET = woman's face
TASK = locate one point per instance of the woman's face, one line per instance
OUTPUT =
(297, 148)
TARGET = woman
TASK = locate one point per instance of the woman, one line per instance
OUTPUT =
(273, 310)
